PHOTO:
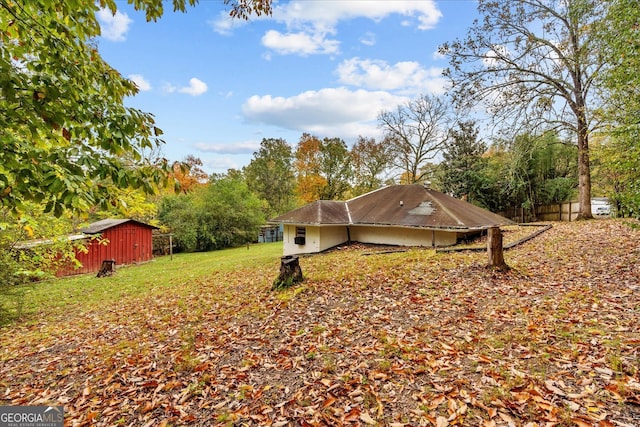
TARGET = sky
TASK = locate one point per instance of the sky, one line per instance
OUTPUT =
(218, 86)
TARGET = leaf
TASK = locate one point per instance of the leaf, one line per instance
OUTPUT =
(366, 418)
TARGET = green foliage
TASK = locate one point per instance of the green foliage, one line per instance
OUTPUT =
(67, 137)
(335, 167)
(618, 156)
(270, 176)
(543, 169)
(463, 162)
(370, 160)
(224, 213)
(322, 168)
(617, 173)
(32, 247)
(532, 170)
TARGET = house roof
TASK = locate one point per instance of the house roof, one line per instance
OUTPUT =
(321, 212)
(397, 205)
(105, 224)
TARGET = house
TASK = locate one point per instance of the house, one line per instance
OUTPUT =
(404, 215)
(125, 241)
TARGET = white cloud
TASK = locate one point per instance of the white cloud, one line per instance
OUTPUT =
(492, 57)
(140, 81)
(438, 56)
(196, 87)
(225, 25)
(220, 164)
(168, 88)
(299, 43)
(335, 112)
(311, 24)
(407, 77)
(368, 39)
(245, 147)
(325, 16)
(318, 20)
(113, 27)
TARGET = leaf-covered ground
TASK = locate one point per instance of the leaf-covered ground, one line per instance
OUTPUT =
(416, 338)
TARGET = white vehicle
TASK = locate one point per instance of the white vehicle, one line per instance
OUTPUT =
(600, 206)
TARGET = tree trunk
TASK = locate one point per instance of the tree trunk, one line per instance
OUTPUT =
(108, 268)
(584, 166)
(495, 250)
(584, 179)
(290, 273)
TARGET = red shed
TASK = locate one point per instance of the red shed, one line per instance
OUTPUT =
(125, 241)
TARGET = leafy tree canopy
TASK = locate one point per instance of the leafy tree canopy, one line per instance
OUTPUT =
(221, 214)
(67, 138)
(270, 175)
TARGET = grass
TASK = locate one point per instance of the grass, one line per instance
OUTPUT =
(160, 276)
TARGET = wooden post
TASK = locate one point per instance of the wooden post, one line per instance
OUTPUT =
(290, 272)
(495, 250)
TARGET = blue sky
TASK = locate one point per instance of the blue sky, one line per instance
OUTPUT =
(326, 67)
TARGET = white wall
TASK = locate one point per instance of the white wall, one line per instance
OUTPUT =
(333, 236)
(402, 236)
(312, 241)
(318, 239)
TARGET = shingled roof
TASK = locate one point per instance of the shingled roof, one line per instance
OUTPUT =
(397, 205)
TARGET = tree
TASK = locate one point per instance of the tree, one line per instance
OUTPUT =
(270, 175)
(64, 128)
(534, 62)
(32, 247)
(542, 170)
(323, 168)
(335, 168)
(462, 162)
(189, 174)
(416, 132)
(309, 182)
(369, 159)
(221, 214)
(619, 158)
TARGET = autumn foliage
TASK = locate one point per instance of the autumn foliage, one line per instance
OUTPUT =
(413, 338)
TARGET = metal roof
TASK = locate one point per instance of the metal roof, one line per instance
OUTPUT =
(397, 205)
(105, 224)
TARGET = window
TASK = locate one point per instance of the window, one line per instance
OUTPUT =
(301, 233)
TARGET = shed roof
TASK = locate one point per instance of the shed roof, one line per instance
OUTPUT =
(397, 205)
(105, 224)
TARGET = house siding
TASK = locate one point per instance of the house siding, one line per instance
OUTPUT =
(333, 236)
(402, 236)
(319, 239)
(312, 240)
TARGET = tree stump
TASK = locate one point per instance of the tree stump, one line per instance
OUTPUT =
(107, 268)
(495, 250)
(290, 272)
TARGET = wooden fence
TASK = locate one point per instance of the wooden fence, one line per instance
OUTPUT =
(566, 211)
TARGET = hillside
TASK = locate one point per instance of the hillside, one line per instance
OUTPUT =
(413, 338)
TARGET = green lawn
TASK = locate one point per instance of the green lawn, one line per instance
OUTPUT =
(177, 274)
